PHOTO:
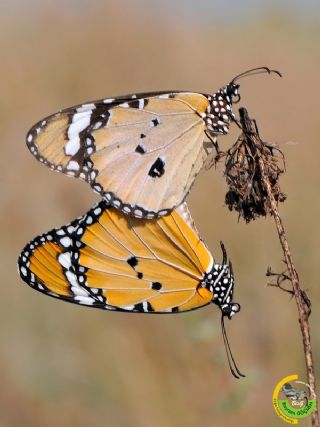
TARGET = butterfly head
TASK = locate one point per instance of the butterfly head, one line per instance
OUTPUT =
(219, 113)
(232, 93)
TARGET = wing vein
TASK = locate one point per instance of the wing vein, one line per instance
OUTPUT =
(179, 268)
(180, 247)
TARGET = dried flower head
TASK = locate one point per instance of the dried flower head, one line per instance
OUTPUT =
(247, 192)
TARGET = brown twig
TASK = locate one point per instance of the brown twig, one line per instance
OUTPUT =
(261, 197)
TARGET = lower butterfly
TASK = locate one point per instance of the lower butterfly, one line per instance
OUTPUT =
(108, 260)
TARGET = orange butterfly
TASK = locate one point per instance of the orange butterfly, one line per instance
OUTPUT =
(108, 260)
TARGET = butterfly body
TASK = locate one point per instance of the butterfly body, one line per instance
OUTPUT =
(108, 260)
(140, 152)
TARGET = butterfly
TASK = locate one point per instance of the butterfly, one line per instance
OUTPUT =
(141, 152)
(112, 261)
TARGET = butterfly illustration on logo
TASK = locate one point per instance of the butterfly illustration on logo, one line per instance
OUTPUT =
(141, 152)
(294, 394)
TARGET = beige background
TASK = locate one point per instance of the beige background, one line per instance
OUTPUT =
(70, 366)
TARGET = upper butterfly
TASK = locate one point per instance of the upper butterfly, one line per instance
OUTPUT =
(140, 152)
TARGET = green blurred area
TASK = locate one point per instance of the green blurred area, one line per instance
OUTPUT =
(70, 366)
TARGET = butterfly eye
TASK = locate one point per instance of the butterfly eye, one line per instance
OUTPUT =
(235, 308)
(236, 90)
(234, 93)
(230, 309)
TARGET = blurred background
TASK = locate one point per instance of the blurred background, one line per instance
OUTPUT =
(72, 366)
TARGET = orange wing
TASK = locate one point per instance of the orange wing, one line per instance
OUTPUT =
(45, 264)
(109, 260)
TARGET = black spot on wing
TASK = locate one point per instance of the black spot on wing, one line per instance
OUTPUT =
(157, 169)
(156, 286)
(139, 307)
(133, 262)
(99, 118)
(150, 308)
(140, 149)
(139, 103)
(140, 275)
(155, 122)
(134, 104)
(143, 307)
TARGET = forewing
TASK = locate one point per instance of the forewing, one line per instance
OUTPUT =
(45, 265)
(59, 140)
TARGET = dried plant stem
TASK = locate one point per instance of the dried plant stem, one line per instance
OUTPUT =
(302, 301)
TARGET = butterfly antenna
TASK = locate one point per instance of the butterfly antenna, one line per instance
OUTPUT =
(230, 268)
(254, 71)
(232, 364)
(224, 254)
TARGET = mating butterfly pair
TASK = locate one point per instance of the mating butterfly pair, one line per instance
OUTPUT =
(142, 154)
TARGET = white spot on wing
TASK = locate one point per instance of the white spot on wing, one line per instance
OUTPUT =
(108, 101)
(78, 291)
(141, 104)
(84, 300)
(65, 259)
(128, 307)
(80, 121)
(89, 219)
(65, 241)
(86, 107)
(97, 211)
(73, 165)
(97, 125)
(23, 271)
(72, 279)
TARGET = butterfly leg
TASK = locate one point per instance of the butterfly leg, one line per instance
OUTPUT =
(214, 142)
